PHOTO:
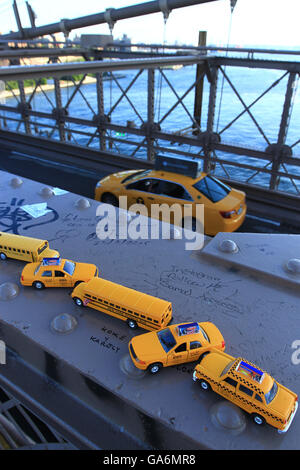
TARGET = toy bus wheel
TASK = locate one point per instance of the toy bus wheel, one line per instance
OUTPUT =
(38, 285)
(3, 256)
(132, 324)
(78, 301)
(109, 198)
(257, 419)
(154, 368)
(204, 385)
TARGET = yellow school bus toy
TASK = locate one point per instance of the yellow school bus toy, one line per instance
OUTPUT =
(24, 248)
(136, 308)
(248, 387)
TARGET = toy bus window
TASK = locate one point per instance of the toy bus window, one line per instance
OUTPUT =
(27, 252)
(130, 311)
(246, 390)
(136, 314)
(47, 274)
(14, 249)
(148, 318)
(143, 316)
(155, 321)
(87, 295)
(117, 306)
(23, 251)
(124, 309)
(9, 248)
(181, 348)
(258, 398)
(249, 371)
(95, 298)
(231, 382)
(112, 305)
(19, 251)
(195, 345)
(105, 301)
(0, 246)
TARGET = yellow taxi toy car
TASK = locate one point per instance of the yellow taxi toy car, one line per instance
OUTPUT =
(57, 272)
(224, 207)
(176, 344)
(250, 388)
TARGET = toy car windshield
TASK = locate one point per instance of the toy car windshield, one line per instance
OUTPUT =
(69, 267)
(166, 339)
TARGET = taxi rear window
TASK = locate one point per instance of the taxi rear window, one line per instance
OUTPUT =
(212, 188)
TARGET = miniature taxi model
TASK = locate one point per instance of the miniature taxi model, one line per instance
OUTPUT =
(176, 344)
(24, 248)
(57, 272)
(248, 387)
(224, 207)
(136, 308)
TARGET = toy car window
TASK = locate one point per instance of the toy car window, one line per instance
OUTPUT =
(204, 333)
(231, 382)
(69, 267)
(47, 274)
(271, 393)
(135, 175)
(226, 369)
(258, 398)
(59, 274)
(166, 339)
(246, 390)
(195, 345)
(212, 188)
(181, 348)
(37, 269)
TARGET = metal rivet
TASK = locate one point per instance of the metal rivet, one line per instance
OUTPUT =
(83, 203)
(46, 192)
(228, 246)
(8, 291)
(293, 266)
(16, 182)
(228, 416)
(64, 323)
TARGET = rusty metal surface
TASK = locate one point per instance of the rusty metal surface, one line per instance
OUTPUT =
(257, 314)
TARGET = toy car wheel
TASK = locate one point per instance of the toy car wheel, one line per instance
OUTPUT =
(78, 301)
(132, 324)
(38, 285)
(3, 256)
(257, 419)
(109, 198)
(154, 368)
(204, 385)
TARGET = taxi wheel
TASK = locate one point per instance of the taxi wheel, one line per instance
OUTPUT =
(132, 324)
(78, 301)
(257, 419)
(38, 285)
(205, 385)
(109, 198)
(3, 256)
(154, 368)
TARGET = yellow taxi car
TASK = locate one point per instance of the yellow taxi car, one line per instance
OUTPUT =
(57, 272)
(250, 388)
(224, 207)
(175, 344)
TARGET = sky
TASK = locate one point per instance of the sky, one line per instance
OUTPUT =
(265, 23)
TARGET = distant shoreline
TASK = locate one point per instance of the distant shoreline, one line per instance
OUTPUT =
(48, 87)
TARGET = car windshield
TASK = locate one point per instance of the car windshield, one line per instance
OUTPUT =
(227, 368)
(135, 175)
(271, 393)
(166, 339)
(212, 188)
(69, 267)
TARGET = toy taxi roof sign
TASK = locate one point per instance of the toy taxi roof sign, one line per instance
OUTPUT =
(250, 372)
(188, 329)
(51, 261)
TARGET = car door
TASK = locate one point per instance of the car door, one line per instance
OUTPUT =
(142, 192)
(227, 388)
(195, 350)
(47, 277)
(171, 193)
(61, 279)
(178, 354)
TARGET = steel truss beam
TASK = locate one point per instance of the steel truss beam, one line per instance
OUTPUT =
(204, 144)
